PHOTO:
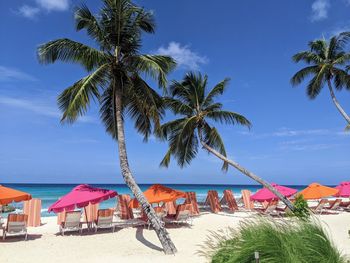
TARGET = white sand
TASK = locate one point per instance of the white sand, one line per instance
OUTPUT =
(136, 244)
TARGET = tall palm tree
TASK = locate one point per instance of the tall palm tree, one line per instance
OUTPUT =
(115, 79)
(326, 62)
(197, 107)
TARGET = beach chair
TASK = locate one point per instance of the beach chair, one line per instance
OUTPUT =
(192, 199)
(104, 219)
(318, 209)
(32, 208)
(333, 206)
(248, 203)
(124, 211)
(269, 209)
(170, 207)
(229, 200)
(183, 215)
(71, 222)
(16, 225)
(213, 201)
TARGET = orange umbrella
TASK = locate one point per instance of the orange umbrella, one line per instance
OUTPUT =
(9, 195)
(159, 193)
(317, 191)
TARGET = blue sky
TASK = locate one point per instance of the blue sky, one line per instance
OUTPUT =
(293, 140)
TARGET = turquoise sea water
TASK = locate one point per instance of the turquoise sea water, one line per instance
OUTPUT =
(49, 193)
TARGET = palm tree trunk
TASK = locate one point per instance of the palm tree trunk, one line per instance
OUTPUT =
(249, 174)
(336, 103)
(163, 235)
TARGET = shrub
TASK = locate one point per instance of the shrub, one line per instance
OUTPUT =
(301, 208)
(292, 241)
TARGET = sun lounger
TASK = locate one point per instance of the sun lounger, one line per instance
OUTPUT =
(104, 219)
(248, 203)
(318, 209)
(270, 208)
(16, 225)
(183, 215)
(170, 207)
(213, 201)
(229, 200)
(71, 222)
(192, 199)
(333, 205)
(124, 211)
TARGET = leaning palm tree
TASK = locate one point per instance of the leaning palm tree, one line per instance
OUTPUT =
(115, 79)
(326, 62)
(197, 107)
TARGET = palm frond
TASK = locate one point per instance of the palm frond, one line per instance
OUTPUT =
(217, 90)
(308, 57)
(228, 117)
(300, 76)
(316, 83)
(70, 51)
(75, 100)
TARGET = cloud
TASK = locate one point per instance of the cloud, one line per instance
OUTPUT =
(286, 132)
(9, 74)
(38, 108)
(28, 11)
(183, 55)
(43, 5)
(319, 10)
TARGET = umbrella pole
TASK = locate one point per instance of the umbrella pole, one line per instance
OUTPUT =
(86, 219)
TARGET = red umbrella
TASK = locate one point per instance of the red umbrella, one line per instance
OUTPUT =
(265, 194)
(81, 196)
(344, 189)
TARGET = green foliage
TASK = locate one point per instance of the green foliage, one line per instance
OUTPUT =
(197, 107)
(288, 242)
(301, 208)
(326, 62)
(114, 65)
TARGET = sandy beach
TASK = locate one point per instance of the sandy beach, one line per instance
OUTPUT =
(138, 244)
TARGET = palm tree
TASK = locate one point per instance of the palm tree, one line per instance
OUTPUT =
(190, 99)
(115, 79)
(326, 62)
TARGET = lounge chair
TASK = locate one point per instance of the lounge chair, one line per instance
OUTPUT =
(213, 201)
(192, 199)
(333, 206)
(229, 200)
(270, 208)
(124, 211)
(16, 225)
(104, 219)
(318, 209)
(183, 215)
(170, 207)
(248, 203)
(71, 222)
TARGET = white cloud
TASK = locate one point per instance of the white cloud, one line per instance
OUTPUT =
(28, 11)
(319, 10)
(8, 74)
(183, 55)
(53, 5)
(39, 108)
(43, 5)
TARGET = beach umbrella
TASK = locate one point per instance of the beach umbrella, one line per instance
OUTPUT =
(265, 194)
(344, 189)
(9, 195)
(317, 191)
(159, 193)
(81, 196)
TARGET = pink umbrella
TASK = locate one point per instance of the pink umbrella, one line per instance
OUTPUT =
(81, 196)
(344, 189)
(265, 194)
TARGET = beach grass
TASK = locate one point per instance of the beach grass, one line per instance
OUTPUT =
(289, 241)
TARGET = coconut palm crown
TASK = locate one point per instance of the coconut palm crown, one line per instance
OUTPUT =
(327, 65)
(198, 107)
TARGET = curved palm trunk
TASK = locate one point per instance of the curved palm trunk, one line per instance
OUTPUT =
(163, 235)
(250, 174)
(336, 103)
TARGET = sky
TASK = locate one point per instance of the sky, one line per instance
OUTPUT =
(293, 140)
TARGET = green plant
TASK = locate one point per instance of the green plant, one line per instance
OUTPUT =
(287, 241)
(301, 208)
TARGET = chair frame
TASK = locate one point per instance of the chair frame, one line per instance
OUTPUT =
(63, 228)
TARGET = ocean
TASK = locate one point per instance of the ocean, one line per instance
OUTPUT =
(49, 193)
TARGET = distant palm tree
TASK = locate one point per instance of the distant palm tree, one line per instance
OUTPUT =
(327, 65)
(197, 107)
(116, 69)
